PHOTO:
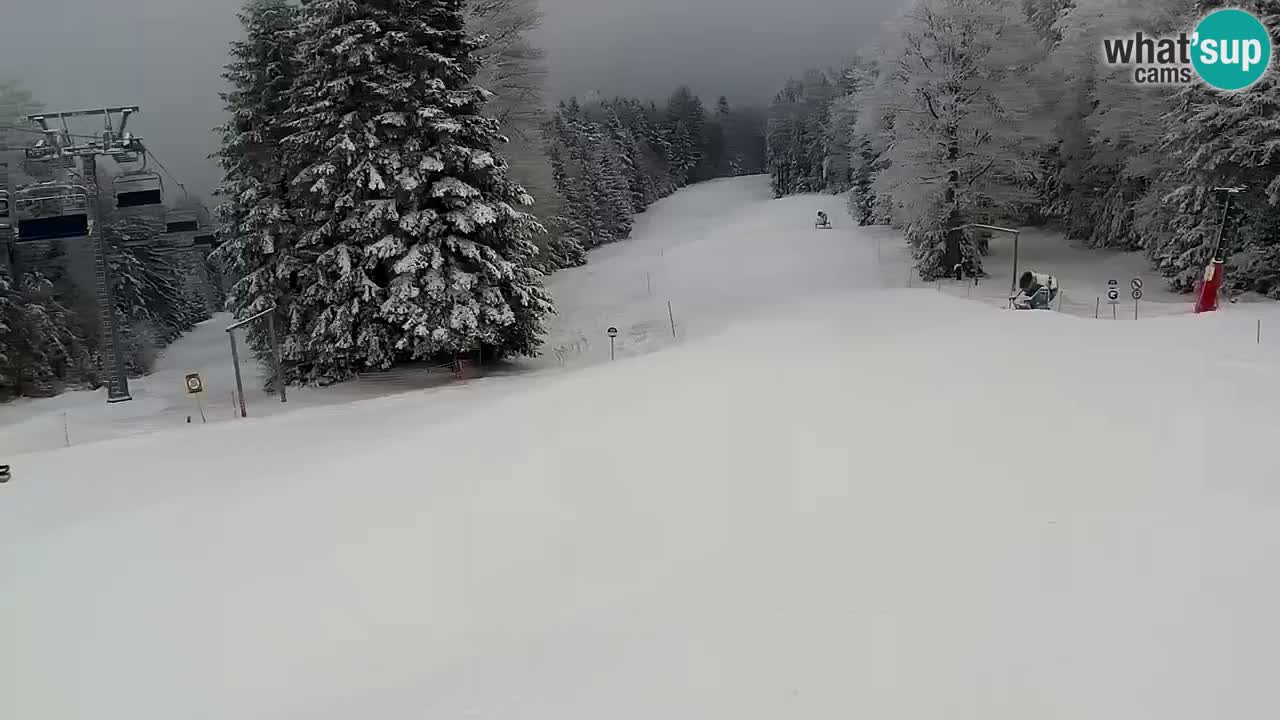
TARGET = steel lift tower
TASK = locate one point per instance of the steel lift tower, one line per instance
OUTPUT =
(59, 147)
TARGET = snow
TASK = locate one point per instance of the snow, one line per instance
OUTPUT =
(832, 497)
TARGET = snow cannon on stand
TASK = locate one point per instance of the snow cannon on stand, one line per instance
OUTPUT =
(1037, 291)
(823, 222)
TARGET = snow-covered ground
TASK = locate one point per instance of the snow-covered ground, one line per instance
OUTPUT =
(833, 496)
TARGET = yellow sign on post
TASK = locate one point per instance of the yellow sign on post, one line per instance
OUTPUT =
(195, 388)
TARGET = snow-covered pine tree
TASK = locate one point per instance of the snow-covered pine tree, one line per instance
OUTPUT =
(965, 132)
(719, 133)
(565, 249)
(613, 190)
(40, 348)
(655, 150)
(620, 149)
(259, 250)
(11, 319)
(582, 139)
(855, 130)
(1224, 139)
(1044, 16)
(796, 134)
(784, 137)
(421, 250)
(685, 121)
(152, 307)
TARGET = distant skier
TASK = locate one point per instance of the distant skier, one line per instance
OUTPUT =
(823, 221)
(1037, 291)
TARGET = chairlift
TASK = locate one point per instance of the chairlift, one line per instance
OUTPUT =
(181, 221)
(138, 189)
(51, 211)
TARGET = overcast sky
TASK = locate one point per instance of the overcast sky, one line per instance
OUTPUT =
(166, 55)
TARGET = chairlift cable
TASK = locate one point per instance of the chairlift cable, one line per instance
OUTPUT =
(172, 177)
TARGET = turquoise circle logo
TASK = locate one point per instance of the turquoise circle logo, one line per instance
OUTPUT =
(1233, 49)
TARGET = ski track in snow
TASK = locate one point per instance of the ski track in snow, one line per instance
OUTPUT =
(833, 496)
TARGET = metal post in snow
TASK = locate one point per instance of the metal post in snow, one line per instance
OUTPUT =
(235, 358)
(275, 358)
(671, 314)
(1135, 309)
(1113, 312)
(1014, 284)
(648, 283)
(1097, 308)
(1259, 331)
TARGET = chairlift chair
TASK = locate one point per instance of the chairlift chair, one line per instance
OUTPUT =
(51, 211)
(138, 188)
(181, 221)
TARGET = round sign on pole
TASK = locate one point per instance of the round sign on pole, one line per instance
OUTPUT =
(1113, 283)
(1113, 294)
(1137, 294)
(613, 332)
(1136, 283)
(194, 384)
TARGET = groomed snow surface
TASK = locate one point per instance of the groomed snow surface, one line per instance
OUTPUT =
(830, 496)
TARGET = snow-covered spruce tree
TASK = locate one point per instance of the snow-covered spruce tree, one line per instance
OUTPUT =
(685, 121)
(583, 175)
(1224, 139)
(716, 155)
(619, 159)
(152, 307)
(785, 139)
(565, 249)
(613, 190)
(420, 249)
(40, 348)
(11, 325)
(856, 123)
(653, 179)
(964, 134)
(796, 134)
(256, 225)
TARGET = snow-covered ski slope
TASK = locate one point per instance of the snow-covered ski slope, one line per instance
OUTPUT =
(831, 500)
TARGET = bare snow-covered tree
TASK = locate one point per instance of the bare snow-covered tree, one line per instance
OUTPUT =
(965, 130)
(514, 70)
